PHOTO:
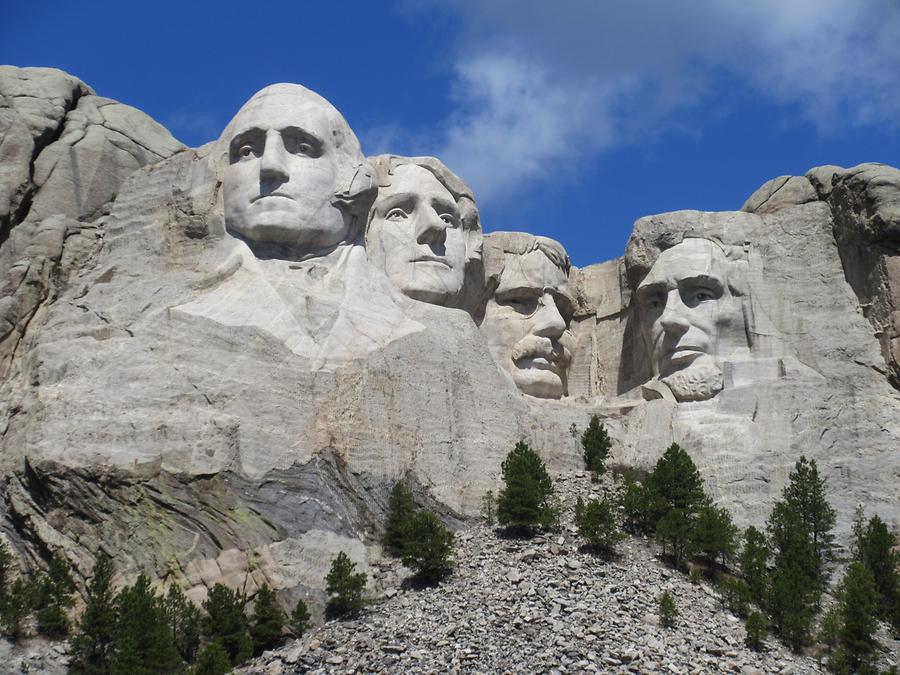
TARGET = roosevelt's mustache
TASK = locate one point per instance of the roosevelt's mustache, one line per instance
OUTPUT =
(535, 346)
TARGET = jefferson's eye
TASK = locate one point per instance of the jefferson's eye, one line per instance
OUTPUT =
(396, 214)
(523, 305)
(305, 148)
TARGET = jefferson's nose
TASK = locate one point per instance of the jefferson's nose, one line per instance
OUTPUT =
(674, 317)
(273, 164)
(548, 322)
(431, 229)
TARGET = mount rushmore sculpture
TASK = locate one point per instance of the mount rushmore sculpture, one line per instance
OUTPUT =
(216, 361)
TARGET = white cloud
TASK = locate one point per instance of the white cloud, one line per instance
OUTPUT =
(543, 85)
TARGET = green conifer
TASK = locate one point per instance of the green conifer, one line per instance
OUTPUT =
(92, 646)
(213, 659)
(267, 622)
(401, 507)
(756, 627)
(714, 534)
(596, 444)
(668, 612)
(858, 602)
(53, 598)
(15, 609)
(144, 644)
(428, 547)
(226, 623)
(754, 560)
(184, 621)
(344, 587)
(300, 620)
(875, 547)
(598, 524)
(525, 501)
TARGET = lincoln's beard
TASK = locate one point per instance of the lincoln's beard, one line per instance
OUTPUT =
(699, 381)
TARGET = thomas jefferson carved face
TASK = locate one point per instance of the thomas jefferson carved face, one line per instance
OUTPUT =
(525, 320)
(416, 236)
(690, 317)
(284, 166)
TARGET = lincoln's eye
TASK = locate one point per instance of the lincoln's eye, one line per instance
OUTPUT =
(396, 214)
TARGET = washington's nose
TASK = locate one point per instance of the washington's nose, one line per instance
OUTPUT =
(431, 230)
(548, 322)
(273, 164)
(673, 318)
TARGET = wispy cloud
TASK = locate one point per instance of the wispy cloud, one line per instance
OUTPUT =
(541, 85)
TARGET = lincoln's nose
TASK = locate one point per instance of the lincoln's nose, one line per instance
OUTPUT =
(674, 317)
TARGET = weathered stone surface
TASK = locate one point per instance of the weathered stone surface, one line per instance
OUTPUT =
(780, 192)
(205, 375)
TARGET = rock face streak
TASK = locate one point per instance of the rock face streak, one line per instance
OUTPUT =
(216, 361)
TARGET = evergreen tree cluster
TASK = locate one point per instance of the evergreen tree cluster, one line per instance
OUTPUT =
(672, 504)
(525, 503)
(137, 630)
(418, 537)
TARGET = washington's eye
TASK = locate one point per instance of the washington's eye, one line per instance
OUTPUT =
(396, 214)
(245, 151)
(450, 219)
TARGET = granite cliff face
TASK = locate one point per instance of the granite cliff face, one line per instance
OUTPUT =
(216, 361)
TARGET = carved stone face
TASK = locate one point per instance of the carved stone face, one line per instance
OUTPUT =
(689, 317)
(416, 237)
(524, 321)
(282, 171)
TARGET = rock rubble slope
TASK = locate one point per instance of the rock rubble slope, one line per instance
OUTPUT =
(538, 605)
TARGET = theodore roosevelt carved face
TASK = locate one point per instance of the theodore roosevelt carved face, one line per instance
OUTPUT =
(691, 316)
(528, 313)
(290, 155)
(423, 229)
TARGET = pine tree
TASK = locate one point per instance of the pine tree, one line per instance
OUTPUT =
(144, 643)
(754, 560)
(401, 507)
(875, 548)
(183, 617)
(6, 570)
(756, 627)
(525, 503)
(344, 587)
(637, 507)
(792, 593)
(267, 622)
(488, 508)
(428, 547)
(668, 612)
(805, 496)
(675, 483)
(596, 444)
(226, 623)
(92, 646)
(676, 529)
(858, 602)
(53, 598)
(799, 530)
(598, 524)
(300, 619)
(15, 609)
(212, 660)
(714, 534)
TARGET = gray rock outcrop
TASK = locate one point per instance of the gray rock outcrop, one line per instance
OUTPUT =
(204, 389)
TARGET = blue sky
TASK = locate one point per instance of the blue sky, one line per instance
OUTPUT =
(568, 119)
